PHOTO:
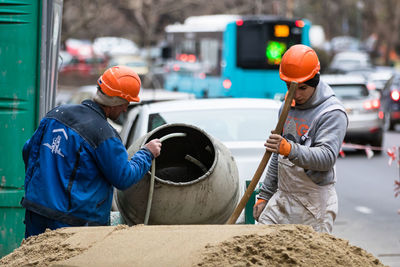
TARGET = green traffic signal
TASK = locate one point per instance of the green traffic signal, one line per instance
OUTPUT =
(274, 52)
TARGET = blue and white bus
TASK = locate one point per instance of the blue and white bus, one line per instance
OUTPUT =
(231, 55)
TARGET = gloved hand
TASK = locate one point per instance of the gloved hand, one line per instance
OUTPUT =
(258, 208)
(278, 144)
(154, 146)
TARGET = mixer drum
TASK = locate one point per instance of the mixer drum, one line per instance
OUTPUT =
(196, 180)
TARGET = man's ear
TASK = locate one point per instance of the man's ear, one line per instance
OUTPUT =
(107, 110)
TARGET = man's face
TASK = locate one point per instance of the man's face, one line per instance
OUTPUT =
(115, 111)
(302, 93)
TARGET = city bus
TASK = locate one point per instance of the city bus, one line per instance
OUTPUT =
(230, 55)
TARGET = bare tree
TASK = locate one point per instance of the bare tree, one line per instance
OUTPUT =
(81, 17)
(149, 16)
(144, 20)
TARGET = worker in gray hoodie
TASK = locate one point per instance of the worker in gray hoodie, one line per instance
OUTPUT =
(299, 184)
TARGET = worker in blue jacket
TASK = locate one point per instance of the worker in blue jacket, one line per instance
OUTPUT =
(75, 157)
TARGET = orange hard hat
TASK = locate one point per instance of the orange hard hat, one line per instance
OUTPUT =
(299, 64)
(120, 81)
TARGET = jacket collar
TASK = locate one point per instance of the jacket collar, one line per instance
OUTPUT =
(96, 107)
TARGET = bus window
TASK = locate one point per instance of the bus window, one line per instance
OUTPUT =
(210, 56)
(189, 47)
(262, 45)
(184, 48)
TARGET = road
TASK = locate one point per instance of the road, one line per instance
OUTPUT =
(368, 215)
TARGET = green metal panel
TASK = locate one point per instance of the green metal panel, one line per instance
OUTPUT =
(20, 31)
(29, 42)
(12, 228)
(19, 53)
(248, 210)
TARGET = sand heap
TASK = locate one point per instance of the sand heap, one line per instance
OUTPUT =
(289, 246)
(41, 250)
(188, 245)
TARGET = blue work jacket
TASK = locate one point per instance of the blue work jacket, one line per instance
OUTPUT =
(72, 162)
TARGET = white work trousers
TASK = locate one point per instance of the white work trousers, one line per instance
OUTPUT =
(299, 200)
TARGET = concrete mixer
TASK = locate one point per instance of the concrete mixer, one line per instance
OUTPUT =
(196, 180)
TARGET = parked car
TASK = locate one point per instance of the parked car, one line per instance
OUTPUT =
(344, 62)
(363, 108)
(376, 76)
(241, 124)
(112, 46)
(137, 63)
(344, 43)
(70, 96)
(380, 76)
(79, 62)
(391, 101)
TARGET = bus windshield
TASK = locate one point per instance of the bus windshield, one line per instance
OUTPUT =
(262, 45)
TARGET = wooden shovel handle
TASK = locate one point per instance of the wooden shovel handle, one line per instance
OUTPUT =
(265, 158)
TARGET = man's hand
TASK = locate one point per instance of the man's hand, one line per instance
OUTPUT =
(278, 144)
(258, 208)
(154, 146)
(273, 142)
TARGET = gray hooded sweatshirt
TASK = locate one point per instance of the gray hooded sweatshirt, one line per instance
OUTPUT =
(326, 135)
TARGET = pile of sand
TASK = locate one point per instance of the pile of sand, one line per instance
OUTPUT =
(42, 250)
(294, 246)
(189, 245)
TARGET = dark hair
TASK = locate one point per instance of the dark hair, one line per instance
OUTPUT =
(313, 82)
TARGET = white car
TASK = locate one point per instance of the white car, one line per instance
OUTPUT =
(241, 124)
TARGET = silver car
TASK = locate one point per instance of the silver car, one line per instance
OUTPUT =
(344, 62)
(363, 107)
(242, 124)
